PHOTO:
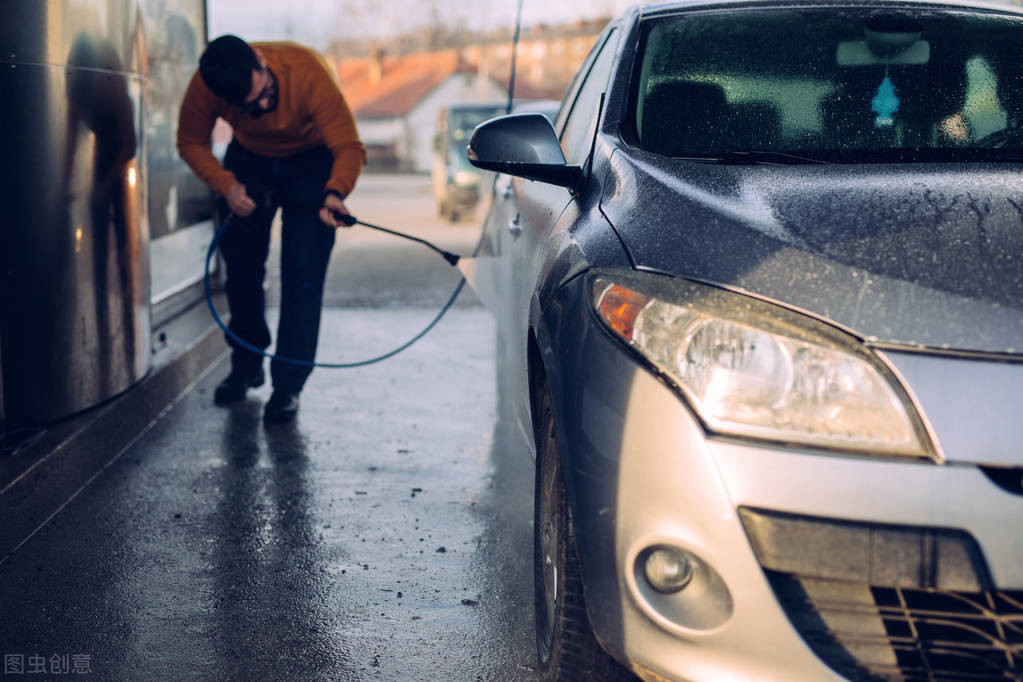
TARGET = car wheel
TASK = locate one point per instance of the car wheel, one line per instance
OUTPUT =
(565, 645)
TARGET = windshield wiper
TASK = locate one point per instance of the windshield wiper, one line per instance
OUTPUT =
(751, 156)
(765, 156)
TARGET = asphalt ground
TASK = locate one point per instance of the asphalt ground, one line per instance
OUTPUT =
(384, 535)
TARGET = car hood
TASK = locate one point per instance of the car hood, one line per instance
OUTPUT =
(908, 254)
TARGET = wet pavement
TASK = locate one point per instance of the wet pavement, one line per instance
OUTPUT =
(384, 535)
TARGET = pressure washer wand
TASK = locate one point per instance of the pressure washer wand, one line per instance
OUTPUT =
(346, 219)
(349, 220)
(264, 197)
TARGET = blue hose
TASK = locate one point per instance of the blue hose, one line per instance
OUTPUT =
(451, 258)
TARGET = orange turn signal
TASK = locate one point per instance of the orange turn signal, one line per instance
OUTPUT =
(620, 307)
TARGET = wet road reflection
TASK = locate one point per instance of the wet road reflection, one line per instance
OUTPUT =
(265, 557)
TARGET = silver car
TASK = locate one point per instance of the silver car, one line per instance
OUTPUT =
(759, 292)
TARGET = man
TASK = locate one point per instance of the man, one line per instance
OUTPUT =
(295, 146)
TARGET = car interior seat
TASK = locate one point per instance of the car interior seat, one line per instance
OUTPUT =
(754, 125)
(685, 117)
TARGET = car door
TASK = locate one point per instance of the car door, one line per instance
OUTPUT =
(493, 276)
(538, 212)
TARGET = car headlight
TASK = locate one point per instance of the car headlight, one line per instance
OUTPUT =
(753, 369)
(466, 178)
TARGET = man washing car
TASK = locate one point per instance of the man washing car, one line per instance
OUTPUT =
(295, 147)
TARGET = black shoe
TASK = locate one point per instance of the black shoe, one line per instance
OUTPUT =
(233, 388)
(281, 408)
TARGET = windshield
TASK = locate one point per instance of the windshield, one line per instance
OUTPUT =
(860, 83)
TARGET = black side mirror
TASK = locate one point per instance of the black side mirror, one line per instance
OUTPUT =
(523, 145)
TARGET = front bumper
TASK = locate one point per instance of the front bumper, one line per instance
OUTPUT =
(641, 472)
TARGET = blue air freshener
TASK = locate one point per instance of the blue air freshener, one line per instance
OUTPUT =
(885, 103)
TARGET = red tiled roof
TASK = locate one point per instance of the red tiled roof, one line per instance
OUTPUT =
(403, 81)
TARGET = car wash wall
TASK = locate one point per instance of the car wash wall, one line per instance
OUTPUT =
(80, 119)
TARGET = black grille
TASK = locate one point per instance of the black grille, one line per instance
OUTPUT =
(868, 632)
(1009, 479)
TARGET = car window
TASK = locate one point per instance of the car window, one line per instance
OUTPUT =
(880, 84)
(582, 119)
(573, 88)
(462, 120)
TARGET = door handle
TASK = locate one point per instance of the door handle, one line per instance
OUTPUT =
(514, 226)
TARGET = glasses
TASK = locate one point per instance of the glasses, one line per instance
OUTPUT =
(269, 93)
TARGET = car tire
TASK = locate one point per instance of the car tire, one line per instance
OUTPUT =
(565, 644)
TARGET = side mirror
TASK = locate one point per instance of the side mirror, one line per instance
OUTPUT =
(523, 145)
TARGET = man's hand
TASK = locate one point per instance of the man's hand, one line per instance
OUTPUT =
(332, 202)
(239, 201)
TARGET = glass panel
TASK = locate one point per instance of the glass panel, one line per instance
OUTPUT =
(577, 136)
(175, 36)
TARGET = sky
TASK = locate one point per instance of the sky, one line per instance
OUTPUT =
(316, 22)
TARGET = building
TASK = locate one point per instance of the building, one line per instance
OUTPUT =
(396, 99)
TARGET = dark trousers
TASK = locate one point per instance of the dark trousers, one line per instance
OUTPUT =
(295, 185)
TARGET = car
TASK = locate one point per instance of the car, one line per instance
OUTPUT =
(548, 107)
(759, 300)
(456, 184)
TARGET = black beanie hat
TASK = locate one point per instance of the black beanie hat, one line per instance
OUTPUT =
(226, 67)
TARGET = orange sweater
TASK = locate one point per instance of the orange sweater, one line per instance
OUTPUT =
(310, 112)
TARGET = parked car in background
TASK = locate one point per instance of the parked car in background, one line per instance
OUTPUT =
(759, 293)
(547, 107)
(456, 183)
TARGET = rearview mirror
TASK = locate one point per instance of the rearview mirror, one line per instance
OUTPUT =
(887, 39)
(523, 145)
(859, 53)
